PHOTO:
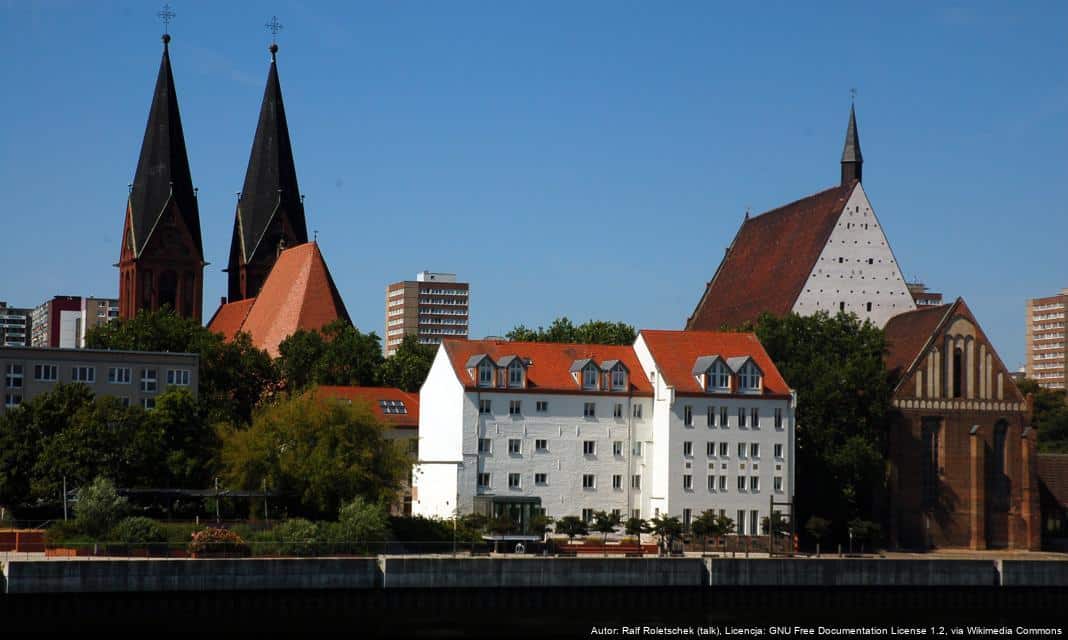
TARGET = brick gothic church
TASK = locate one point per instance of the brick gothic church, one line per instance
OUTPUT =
(162, 258)
(161, 262)
(961, 462)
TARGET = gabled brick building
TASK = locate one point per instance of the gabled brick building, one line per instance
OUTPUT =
(963, 466)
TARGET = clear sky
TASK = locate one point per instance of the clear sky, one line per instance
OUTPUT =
(589, 159)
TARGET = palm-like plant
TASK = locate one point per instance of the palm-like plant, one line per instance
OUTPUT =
(605, 523)
(571, 526)
(666, 528)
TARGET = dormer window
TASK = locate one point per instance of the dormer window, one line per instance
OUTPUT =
(485, 373)
(515, 374)
(749, 377)
(619, 378)
(719, 376)
(589, 376)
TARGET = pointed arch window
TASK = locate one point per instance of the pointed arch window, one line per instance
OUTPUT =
(999, 478)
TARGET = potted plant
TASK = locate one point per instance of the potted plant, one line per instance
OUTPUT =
(217, 543)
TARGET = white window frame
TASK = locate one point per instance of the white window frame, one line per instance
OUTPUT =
(541, 479)
(515, 374)
(119, 375)
(617, 481)
(541, 445)
(589, 481)
(515, 446)
(778, 451)
(45, 372)
(483, 480)
(687, 482)
(589, 377)
(83, 374)
(589, 410)
(485, 407)
(749, 378)
(687, 415)
(149, 383)
(515, 407)
(485, 446)
(515, 481)
(617, 448)
(589, 447)
(719, 377)
(485, 373)
(178, 377)
(687, 449)
(14, 378)
(636, 411)
(619, 378)
(541, 406)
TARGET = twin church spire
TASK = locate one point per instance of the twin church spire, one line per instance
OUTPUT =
(161, 261)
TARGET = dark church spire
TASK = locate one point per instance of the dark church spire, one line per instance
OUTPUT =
(163, 169)
(852, 160)
(269, 208)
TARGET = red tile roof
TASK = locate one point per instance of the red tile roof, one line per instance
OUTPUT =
(907, 334)
(769, 261)
(550, 362)
(676, 352)
(373, 396)
(299, 293)
(1053, 473)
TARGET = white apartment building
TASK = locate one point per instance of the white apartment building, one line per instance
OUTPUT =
(661, 427)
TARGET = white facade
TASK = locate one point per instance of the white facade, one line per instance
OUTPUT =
(621, 458)
(856, 271)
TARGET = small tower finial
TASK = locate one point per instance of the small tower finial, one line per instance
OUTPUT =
(853, 96)
(165, 15)
(274, 26)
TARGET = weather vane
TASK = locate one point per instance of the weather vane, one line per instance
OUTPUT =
(165, 16)
(274, 26)
(853, 95)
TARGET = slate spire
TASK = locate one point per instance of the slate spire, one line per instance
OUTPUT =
(163, 169)
(270, 212)
(852, 159)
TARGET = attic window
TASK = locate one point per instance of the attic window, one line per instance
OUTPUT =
(485, 374)
(749, 377)
(393, 406)
(515, 374)
(719, 377)
(619, 378)
(589, 376)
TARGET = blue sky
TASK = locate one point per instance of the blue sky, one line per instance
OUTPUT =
(589, 159)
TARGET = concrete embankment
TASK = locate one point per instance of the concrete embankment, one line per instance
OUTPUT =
(394, 573)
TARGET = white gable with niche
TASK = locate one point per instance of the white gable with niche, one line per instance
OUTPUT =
(856, 268)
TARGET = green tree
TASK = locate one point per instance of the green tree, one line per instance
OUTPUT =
(703, 526)
(325, 453)
(408, 367)
(819, 528)
(337, 354)
(635, 527)
(99, 507)
(571, 526)
(563, 330)
(666, 528)
(836, 365)
(541, 524)
(605, 523)
(1050, 416)
(189, 443)
(363, 521)
(865, 532)
(137, 530)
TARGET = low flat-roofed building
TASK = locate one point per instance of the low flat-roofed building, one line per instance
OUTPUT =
(135, 377)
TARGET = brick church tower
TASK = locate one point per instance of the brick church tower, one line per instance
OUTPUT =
(161, 263)
(270, 211)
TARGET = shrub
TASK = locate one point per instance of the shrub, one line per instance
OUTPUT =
(64, 532)
(421, 529)
(362, 521)
(138, 530)
(211, 540)
(99, 507)
(179, 532)
(296, 537)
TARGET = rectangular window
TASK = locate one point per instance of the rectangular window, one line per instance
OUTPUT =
(711, 483)
(740, 523)
(636, 411)
(778, 418)
(178, 377)
(483, 480)
(45, 372)
(513, 480)
(589, 377)
(515, 446)
(711, 417)
(741, 449)
(14, 376)
(485, 374)
(723, 450)
(635, 481)
(514, 407)
(587, 515)
(687, 515)
(619, 379)
(637, 449)
(754, 418)
(687, 482)
(148, 380)
(723, 483)
(541, 446)
(83, 374)
(485, 445)
(589, 410)
(741, 417)
(710, 449)
(617, 412)
(148, 403)
(777, 482)
(589, 481)
(118, 375)
(687, 416)
(515, 375)
(687, 449)
(617, 481)
(485, 406)
(542, 406)
(741, 483)
(589, 448)
(754, 449)
(754, 518)
(12, 399)
(541, 479)
(617, 448)
(778, 451)
(754, 483)
(723, 417)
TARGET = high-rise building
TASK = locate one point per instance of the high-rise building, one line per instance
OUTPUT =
(432, 307)
(1046, 343)
(161, 261)
(57, 322)
(15, 326)
(96, 312)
